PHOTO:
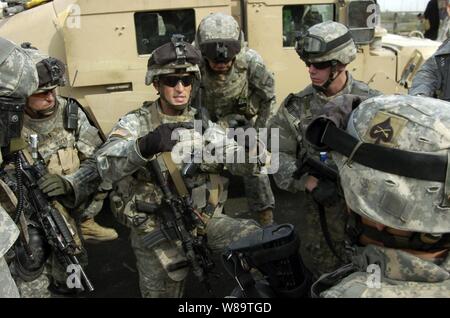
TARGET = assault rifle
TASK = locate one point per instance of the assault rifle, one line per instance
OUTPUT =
(55, 228)
(316, 168)
(178, 220)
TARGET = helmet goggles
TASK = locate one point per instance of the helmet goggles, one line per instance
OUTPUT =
(310, 44)
(220, 51)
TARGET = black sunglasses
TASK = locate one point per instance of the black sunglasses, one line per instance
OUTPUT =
(173, 81)
(320, 65)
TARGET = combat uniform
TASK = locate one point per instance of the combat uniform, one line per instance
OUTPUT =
(8, 235)
(294, 115)
(398, 274)
(122, 166)
(408, 196)
(18, 78)
(69, 154)
(244, 96)
(432, 79)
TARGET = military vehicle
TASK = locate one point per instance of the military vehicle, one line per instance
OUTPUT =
(106, 43)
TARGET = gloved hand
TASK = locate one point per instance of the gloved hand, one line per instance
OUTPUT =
(326, 193)
(160, 139)
(54, 185)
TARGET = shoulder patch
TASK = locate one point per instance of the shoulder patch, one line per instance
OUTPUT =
(290, 103)
(384, 129)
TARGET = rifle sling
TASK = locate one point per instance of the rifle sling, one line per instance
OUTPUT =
(167, 158)
(175, 174)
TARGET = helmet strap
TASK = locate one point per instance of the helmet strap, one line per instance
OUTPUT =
(39, 114)
(333, 75)
(417, 241)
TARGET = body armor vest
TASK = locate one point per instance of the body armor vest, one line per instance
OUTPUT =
(228, 95)
(56, 144)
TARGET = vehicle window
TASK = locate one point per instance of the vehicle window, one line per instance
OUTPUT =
(299, 18)
(156, 28)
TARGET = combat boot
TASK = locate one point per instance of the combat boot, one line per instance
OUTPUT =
(265, 217)
(93, 231)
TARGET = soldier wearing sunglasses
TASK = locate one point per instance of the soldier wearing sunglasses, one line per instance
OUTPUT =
(238, 91)
(326, 49)
(142, 136)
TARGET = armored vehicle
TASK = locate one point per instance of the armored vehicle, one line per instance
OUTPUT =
(106, 43)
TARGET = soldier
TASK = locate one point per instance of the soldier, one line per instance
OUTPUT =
(431, 79)
(40, 275)
(136, 139)
(392, 158)
(238, 91)
(327, 48)
(67, 140)
(18, 79)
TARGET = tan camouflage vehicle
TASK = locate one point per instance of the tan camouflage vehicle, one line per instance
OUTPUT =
(106, 43)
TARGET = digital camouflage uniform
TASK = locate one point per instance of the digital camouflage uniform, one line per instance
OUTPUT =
(403, 275)
(418, 125)
(8, 235)
(432, 79)
(69, 154)
(294, 115)
(121, 164)
(18, 77)
(246, 93)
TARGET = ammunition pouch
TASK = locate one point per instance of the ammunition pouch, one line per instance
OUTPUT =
(64, 162)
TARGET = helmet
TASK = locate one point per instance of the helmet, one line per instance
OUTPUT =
(406, 143)
(219, 37)
(50, 70)
(326, 41)
(18, 76)
(173, 57)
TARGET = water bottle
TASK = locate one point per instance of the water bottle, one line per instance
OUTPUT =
(323, 156)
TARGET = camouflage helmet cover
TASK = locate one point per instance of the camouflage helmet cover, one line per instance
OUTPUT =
(327, 32)
(18, 75)
(414, 124)
(50, 70)
(169, 59)
(218, 26)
